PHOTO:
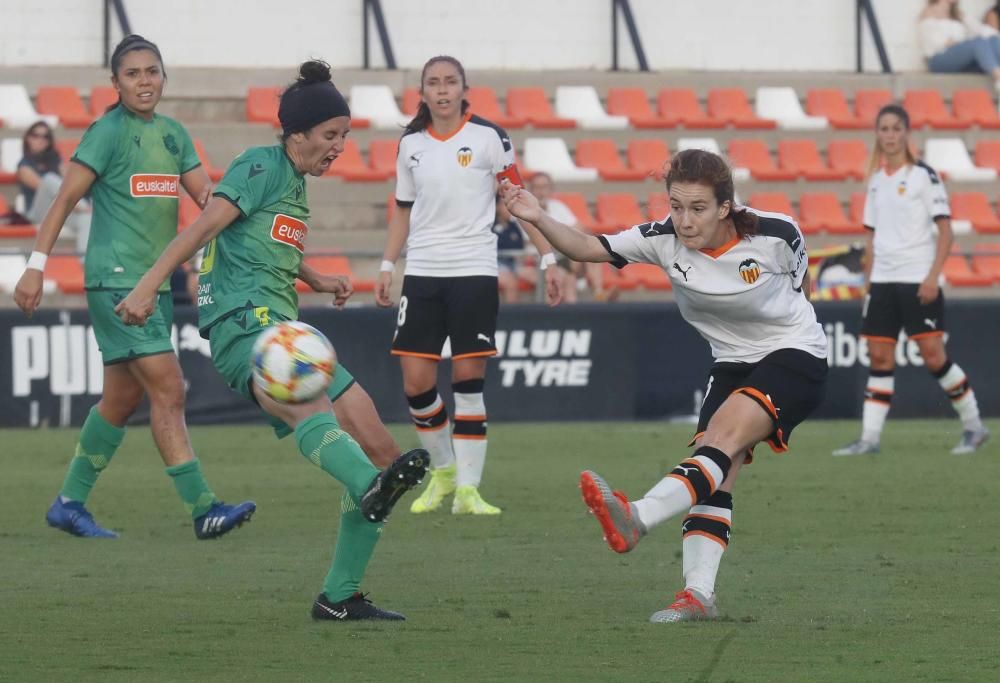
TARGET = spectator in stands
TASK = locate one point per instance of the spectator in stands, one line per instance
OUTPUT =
(132, 161)
(909, 237)
(448, 163)
(39, 176)
(992, 17)
(741, 280)
(510, 238)
(952, 44)
(247, 285)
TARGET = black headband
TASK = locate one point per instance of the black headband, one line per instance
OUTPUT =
(304, 106)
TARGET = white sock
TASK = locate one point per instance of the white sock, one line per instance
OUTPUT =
(469, 438)
(433, 429)
(682, 488)
(706, 536)
(878, 396)
(955, 383)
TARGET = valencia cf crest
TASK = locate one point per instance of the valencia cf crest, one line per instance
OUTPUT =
(901, 190)
(464, 157)
(749, 271)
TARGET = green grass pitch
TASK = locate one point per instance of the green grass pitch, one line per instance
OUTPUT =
(882, 568)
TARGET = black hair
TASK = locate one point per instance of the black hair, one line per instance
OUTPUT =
(423, 117)
(311, 99)
(707, 168)
(131, 43)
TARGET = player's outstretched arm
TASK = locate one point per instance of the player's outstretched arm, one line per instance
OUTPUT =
(141, 301)
(574, 243)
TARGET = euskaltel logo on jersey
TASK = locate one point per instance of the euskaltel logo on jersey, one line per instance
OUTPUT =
(153, 185)
(291, 231)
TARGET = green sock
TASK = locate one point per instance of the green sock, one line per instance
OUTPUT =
(192, 487)
(356, 541)
(99, 439)
(327, 446)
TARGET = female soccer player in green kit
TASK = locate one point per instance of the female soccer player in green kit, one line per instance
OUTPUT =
(132, 161)
(255, 227)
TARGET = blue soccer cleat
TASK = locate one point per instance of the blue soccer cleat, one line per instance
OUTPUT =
(73, 518)
(221, 519)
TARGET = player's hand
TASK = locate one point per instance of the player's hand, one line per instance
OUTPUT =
(554, 282)
(928, 291)
(521, 203)
(28, 292)
(338, 285)
(136, 308)
(382, 289)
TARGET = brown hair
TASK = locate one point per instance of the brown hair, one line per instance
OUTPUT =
(707, 168)
(904, 116)
(423, 118)
(953, 11)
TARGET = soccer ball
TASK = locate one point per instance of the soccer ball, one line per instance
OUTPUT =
(292, 362)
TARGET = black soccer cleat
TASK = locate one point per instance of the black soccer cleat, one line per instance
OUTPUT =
(354, 608)
(406, 472)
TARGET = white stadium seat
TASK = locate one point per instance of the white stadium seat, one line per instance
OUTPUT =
(740, 174)
(377, 104)
(11, 151)
(552, 156)
(11, 268)
(782, 105)
(16, 110)
(950, 157)
(582, 104)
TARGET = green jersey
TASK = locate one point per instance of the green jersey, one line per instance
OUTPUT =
(253, 263)
(138, 165)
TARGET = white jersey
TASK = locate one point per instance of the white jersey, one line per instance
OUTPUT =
(901, 208)
(745, 298)
(450, 183)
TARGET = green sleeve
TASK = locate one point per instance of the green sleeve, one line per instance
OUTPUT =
(97, 147)
(189, 155)
(248, 182)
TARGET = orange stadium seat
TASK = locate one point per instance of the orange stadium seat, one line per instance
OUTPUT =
(754, 155)
(988, 154)
(382, 155)
(14, 231)
(214, 173)
(975, 107)
(986, 260)
(613, 278)
(617, 211)
(802, 157)
(657, 206)
(102, 97)
(576, 203)
(646, 275)
(66, 148)
(975, 207)
(856, 208)
(187, 212)
(680, 107)
(927, 108)
(65, 103)
(775, 202)
(868, 102)
(849, 157)
(411, 101)
(483, 102)
(67, 272)
(352, 167)
(633, 103)
(603, 155)
(732, 106)
(335, 265)
(821, 211)
(648, 155)
(533, 105)
(262, 105)
(960, 273)
(831, 103)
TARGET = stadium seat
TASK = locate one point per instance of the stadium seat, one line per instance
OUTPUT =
(754, 155)
(411, 101)
(617, 211)
(352, 167)
(377, 104)
(648, 155)
(975, 208)
(802, 157)
(646, 275)
(262, 105)
(214, 173)
(66, 271)
(782, 105)
(868, 102)
(483, 102)
(775, 202)
(856, 209)
(603, 155)
(849, 157)
(532, 105)
(927, 108)
(65, 103)
(633, 103)
(66, 147)
(986, 260)
(14, 231)
(11, 151)
(335, 265)
(821, 211)
(987, 154)
(975, 107)
(552, 156)
(582, 104)
(577, 203)
(740, 173)
(16, 110)
(949, 157)
(187, 212)
(831, 103)
(680, 107)
(958, 272)
(657, 206)
(11, 268)
(101, 97)
(731, 105)
(382, 155)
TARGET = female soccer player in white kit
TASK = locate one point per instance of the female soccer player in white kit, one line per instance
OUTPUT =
(446, 170)
(909, 238)
(740, 278)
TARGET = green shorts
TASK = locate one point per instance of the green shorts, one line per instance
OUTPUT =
(232, 339)
(119, 342)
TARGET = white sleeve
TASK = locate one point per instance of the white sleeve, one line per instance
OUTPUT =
(504, 155)
(870, 218)
(935, 197)
(406, 190)
(795, 257)
(633, 245)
